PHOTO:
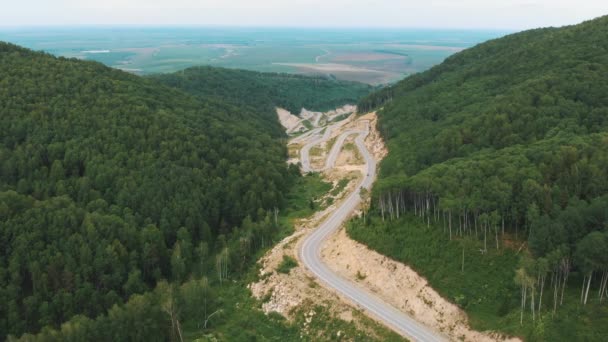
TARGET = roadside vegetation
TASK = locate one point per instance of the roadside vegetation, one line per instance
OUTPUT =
(340, 186)
(330, 144)
(482, 283)
(501, 152)
(216, 306)
(287, 264)
(306, 197)
(214, 303)
(340, 117)
(316, 151)
(351, 147)
(318, 318)
(130, 210)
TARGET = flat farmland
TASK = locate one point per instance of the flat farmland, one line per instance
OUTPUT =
(369, 56)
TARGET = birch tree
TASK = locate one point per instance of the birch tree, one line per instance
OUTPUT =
(590, 256)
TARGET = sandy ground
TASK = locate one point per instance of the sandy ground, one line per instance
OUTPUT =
(285, 293)
(396, 283)
(294, 123)
(298, 290)
(400, 286)
(288, 120)
(349, 156)
(346, 109)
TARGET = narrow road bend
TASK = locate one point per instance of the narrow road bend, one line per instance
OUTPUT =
(310, 248)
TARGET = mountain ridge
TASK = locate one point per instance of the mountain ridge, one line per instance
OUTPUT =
(502, 149)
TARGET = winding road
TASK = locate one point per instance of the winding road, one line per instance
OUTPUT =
(310, 248)
(333, 154)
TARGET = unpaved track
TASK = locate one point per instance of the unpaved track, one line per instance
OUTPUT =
(310, 248)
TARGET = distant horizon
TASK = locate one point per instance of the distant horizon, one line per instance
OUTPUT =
(512, 15)
(374, 56)
(226, 26)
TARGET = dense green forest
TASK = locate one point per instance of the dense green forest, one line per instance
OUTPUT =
(114, 186)
(267, 90)
(504, 148)
(214, 308)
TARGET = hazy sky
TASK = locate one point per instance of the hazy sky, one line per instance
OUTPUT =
(503, 14)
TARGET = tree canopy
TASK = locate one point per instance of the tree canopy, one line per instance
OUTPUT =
(512, 123)
(267, 90)
(111, 183)
(508, 138)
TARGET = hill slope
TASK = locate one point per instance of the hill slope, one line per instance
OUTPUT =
(110, 183)
(266, 90)
(502, 143)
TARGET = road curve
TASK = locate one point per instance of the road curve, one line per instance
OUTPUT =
(319, 138)
(310, 252)
(305, 151)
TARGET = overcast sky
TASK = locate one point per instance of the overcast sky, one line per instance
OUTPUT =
(500, 14)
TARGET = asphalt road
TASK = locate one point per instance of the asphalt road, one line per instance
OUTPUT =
(310, 250)
(305, 151)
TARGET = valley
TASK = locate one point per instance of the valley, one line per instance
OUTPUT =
(232, 183)
(374, 57)
(342, 266)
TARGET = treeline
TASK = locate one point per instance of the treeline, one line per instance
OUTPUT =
(509, 141)
(152, 316)
(192, 300)
(111, 183)
(266, 91)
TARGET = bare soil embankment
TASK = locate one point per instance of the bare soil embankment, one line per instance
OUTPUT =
(392, 281)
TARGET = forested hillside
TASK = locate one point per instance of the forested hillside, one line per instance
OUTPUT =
(266, 90)
(111, 183)
(506, 145)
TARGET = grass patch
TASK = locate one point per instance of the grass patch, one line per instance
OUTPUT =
(316, 151)
(318, 318)
(312, 283)
(267, 297)
(330, 143)
(342, 183)
(341, 117)
(302, 201)
(287, 264)
(293, 151)
(307, 124)
(297, 133)
(241, 320)
(486, 290)
(350, 146)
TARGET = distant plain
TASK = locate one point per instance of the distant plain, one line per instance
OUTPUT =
(374, 56)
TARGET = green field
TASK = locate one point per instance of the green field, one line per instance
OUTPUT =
(369, 56)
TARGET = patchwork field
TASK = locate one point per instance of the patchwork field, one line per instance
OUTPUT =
(369, 56)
